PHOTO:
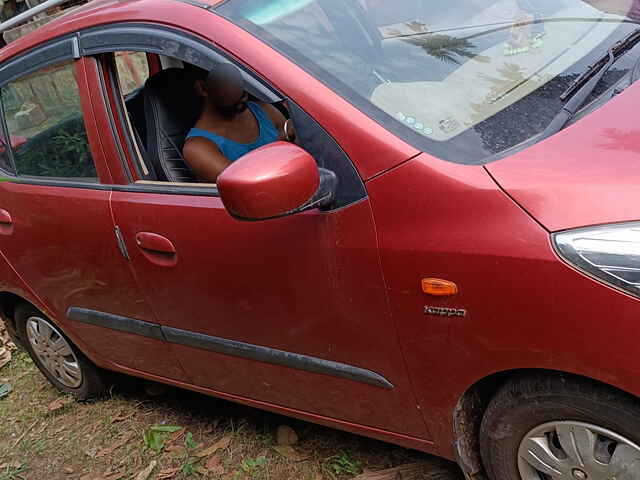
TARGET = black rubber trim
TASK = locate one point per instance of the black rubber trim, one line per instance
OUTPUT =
(172, 42)
(56, 51)
(116, 322)
(228, 347)
(167, 190)
(275, 357)
(56, 182)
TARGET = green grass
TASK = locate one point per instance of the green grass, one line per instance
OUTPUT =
(36, 443)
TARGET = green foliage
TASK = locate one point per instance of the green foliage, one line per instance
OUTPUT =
(250, 466)
(188, 467)
(12, 472)
(189, 442)
(342, 464)
(61, 150)
(154, 437)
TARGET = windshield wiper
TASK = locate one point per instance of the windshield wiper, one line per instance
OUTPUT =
(586, 83)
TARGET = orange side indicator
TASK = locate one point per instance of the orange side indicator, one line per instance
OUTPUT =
(437, 286)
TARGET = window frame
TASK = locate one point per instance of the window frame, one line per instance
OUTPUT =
(55, 52)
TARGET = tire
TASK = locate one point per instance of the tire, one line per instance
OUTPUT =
(69, 370)
(579, 428)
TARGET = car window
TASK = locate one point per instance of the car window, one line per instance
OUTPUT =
(46, 127)
(133, 70)
(465, 80)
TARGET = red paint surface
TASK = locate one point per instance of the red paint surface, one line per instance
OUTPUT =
(342, 286)
(585, 175)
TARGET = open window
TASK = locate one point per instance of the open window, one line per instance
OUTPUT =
(153, 117)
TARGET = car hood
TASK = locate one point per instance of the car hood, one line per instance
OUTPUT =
(587, 174)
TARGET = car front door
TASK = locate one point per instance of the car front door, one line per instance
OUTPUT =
(291, 312)
(56, 227)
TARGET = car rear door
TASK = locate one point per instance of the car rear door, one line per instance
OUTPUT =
(56, 227)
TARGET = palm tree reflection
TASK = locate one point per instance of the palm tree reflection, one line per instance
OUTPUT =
(446, 48)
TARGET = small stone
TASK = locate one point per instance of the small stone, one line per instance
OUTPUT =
(286, 436)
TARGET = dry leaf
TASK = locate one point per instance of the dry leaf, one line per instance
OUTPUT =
(144, 474)
(121, 417)
(286, 435)
(113, 476)
(167, 473)
(58, 403)
(412, 471)
(214, 465)
(219, 445)
(175, 436)
(120, 442)
(290, 453)
(68, 470)
(5, 356)
(175, 451)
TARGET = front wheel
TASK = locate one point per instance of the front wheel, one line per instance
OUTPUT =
(559, 428)
(56, 357)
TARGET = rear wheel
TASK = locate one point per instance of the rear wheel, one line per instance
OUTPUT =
(56, 357)
(556, 427)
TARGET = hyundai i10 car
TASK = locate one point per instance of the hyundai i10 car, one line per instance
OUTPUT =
(447, 257)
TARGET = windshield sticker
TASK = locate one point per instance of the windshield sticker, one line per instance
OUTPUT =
(449, 125)
(526, 33)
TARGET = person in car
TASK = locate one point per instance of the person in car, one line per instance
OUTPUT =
(230, 125)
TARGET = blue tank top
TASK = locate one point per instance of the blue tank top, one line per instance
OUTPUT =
(234, 150)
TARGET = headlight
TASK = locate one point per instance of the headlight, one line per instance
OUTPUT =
(611, 253)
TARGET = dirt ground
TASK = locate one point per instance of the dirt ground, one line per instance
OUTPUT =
(134, 434)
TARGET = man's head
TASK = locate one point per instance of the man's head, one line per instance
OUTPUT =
(223, 89)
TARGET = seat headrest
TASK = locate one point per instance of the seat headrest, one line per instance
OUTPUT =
(174, 88)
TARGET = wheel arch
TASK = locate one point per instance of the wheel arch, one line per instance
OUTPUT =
(8, 303)
(472, 404)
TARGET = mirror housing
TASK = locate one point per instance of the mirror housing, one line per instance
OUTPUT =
(273, 181)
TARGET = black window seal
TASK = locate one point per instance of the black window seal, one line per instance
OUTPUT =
(7, 140)
(112, 121)
(37, 58)
(125, 36)
(168, 189)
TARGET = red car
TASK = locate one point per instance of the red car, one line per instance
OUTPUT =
(448, 258)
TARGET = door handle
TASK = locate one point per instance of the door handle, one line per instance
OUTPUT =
(6, 222)
(155, 243)
(5, 217)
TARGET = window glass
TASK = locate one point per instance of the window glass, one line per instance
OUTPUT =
(465, 80)
(46, 127)
(133, 70)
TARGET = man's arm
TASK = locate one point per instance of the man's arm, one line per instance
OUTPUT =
(276, 117)
(204, 158)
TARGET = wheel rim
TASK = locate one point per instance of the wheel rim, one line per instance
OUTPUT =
(577, 451)
(54, 352)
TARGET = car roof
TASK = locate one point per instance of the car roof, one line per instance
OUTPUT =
(97, 12)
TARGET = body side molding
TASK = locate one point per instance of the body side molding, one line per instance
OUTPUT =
(229, 347)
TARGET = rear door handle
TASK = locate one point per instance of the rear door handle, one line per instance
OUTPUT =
(5, 217)
(155, 243)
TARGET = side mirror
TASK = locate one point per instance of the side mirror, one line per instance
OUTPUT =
(273, 181)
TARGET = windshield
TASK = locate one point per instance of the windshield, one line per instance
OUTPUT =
(465, 80)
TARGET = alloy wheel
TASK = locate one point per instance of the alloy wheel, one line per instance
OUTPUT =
(54, 352)
(577, 451)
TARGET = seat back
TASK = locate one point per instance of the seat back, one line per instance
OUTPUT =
(172, 107)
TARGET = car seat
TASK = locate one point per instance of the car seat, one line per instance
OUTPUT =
(172, 107)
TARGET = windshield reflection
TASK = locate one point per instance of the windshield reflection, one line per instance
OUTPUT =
(464, 80)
